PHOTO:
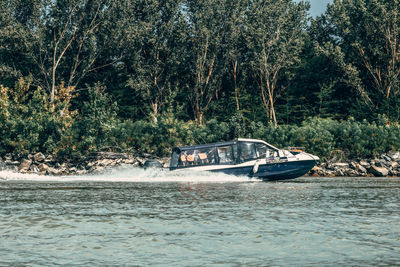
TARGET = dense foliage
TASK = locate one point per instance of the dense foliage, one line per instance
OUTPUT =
(88, 75)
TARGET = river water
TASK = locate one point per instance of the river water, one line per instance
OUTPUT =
(133, 217)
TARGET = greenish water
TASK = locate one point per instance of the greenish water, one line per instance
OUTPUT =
(134, 217)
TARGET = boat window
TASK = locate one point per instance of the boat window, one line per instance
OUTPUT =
(271, 154)
(261, 150)
(248, 151)
(175, 159)
(225, 154)
(235, 152)
(197, 157)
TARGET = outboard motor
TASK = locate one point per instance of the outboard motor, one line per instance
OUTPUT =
(152, 163)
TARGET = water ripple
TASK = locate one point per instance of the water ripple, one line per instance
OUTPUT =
(307, 221)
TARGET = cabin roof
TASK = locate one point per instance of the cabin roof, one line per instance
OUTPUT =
(227, 143)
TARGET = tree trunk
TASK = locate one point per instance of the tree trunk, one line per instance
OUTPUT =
(235, 84)
(154, 113)
(199, 118)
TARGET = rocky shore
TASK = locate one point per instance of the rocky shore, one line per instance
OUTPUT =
(39, 163)
(387, 165)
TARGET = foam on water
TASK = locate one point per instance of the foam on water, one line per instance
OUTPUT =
(129, 174)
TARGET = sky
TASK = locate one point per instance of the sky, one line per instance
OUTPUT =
(318, 6)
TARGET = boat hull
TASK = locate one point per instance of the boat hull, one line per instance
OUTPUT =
(273, 171)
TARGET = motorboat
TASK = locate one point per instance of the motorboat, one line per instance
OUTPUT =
(244, 157)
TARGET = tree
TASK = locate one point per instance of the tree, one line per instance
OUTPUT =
(62, 39)
(205, 26)
(17, 20)
(233, 45)
(365, 44)
(150, 29)
(275, 33)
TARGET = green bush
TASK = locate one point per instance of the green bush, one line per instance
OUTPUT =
(95, 127)
(29, 122)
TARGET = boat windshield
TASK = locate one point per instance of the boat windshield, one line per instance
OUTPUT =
(252, 151)
(247, 151)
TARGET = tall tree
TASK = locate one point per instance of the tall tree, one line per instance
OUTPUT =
(365, 44)
(61, 39)
(233, 43)
(17, 26)
(205, 21)
(275, 33)
(150, 53)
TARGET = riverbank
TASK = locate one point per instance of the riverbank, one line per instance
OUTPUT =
(40, 163)
(387, 165)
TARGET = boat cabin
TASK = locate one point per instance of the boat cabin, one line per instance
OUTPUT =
(232, 152)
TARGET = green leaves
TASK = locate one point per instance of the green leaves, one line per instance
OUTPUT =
(364, 44)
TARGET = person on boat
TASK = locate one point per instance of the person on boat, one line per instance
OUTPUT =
(190, 158)
(182, 159)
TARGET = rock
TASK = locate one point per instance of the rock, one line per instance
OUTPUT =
(361, 169)
(364, 164)
(43, 167)
(329, 174)
(105, 162)
(72, 170)
(113, 155)
(166, 164)
(128, 161)
(25, 164)
(339, 172)
(54, 171)
(340, 165)
(378, 171)
(34, 168)
(49, 158)
(394, 164)
(147, 155)
(141, 161)
(135, 164)
(317, 171)
(379, 163)
(351, 173)
(91, 164)
(12, 163)
(394, 155)
(39, 157)
(353, 165)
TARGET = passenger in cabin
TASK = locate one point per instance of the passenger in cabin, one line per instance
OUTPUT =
(210, 156)
(182, 159)
(190, 158)
(202, 158)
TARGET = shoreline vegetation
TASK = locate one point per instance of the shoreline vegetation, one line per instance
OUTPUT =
(84, 78)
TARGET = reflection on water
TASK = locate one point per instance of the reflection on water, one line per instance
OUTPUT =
(194, 220)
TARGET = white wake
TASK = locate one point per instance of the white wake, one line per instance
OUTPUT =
(130, 174)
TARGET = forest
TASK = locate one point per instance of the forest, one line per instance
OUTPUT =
(79, 76)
